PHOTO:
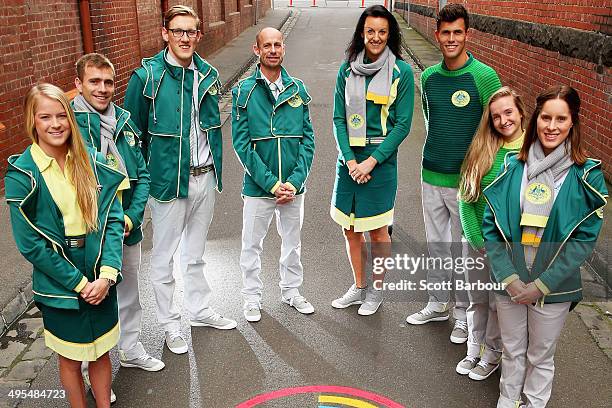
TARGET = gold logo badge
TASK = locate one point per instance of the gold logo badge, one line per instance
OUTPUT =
(129, 137)
(213, 90)
(460, 98)
(111, 161)
(538, 193)
(356, 121)
(295, 101)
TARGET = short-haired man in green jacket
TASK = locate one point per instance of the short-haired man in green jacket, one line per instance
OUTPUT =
(107, 128)
(174, 100)
(273, 138)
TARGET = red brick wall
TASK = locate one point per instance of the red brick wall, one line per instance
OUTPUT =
(530, 70)
(40, 40)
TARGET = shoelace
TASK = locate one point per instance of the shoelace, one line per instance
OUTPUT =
(215, 317)
(460, 324)
(297, 299)
(427, 311)
(483, 364)
(354, 290)
(471, 359)
(174, 335)
(253, 305)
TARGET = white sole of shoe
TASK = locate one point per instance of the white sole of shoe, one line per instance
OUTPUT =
(177, 350)
(337, 305)
(458, 340)
(303, 311)
(368, 312)
(434, 319)
(150, 369)
(226, 327)
(477, 377)
(462, 371)
(252, 319)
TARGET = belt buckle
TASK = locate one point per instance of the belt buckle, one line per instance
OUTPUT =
(197, 171)
(75, 242)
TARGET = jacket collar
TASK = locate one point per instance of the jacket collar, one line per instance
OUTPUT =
(87, 120)
(245, 88)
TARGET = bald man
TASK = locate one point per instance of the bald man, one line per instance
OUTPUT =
(274, 141)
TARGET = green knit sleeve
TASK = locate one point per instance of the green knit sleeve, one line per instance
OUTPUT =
(470, 224)
(340, 132)
(487, 82)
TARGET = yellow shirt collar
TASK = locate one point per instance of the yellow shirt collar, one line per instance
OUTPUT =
(515, 144)
(41, 159)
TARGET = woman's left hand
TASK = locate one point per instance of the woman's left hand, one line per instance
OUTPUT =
(529, 294)
(98, 291)
(361, 172)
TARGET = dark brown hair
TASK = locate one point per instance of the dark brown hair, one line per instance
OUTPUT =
(452, 12)
(570, 96)
(395, 35)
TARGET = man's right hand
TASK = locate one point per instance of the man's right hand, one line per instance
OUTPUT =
(284, 194)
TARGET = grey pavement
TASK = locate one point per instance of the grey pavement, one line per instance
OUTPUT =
(413, 366)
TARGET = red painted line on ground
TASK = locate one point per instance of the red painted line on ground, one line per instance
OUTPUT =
(315, 389)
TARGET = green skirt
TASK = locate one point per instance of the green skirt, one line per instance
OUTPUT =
(84, 334)
(369, 206)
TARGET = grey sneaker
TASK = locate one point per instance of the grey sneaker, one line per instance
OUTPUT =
(252, 312)
(427, 315)
(465, 366)
(483, 370)
(176, 343)
(216, 321)
(300, 304)
(373, 300)
(85, 373)
(459, 335)
(353, 296)
(145, 362)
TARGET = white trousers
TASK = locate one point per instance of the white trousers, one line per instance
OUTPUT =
(529, 335)
(185, 221)
(443, 232)
(256, 218)
(130, 308)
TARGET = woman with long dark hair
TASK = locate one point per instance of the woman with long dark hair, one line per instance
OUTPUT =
(544, 214)
(373, 106)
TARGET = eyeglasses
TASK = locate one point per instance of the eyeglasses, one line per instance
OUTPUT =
(178, 32)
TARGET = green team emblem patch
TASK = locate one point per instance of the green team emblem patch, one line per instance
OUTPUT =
(295, 101)
(538, 193)
(356, 121)
(130, 138)
(460, 98)
(111, 161)
(213, 90)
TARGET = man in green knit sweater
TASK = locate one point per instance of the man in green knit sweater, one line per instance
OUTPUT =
(454, 93)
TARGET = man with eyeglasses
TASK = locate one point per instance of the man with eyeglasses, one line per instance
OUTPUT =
(173, 98)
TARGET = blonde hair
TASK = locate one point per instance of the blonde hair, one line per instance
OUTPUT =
(180, 10)
(79, 169)
(484, 147)
(93, 59)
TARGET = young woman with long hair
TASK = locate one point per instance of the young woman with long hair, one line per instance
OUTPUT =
(544, 214)
(373, 105)
(68, 223)
(499, 133)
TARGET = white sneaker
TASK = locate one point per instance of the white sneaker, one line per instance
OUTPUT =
(353, 296)
(176, 343)
(215, 321)
(483, 370)
(144, 362)
(85, 373)
(300, 304)
(465, 366)
(252, 312)
(373, 300)
(427, 315)
(459, 335)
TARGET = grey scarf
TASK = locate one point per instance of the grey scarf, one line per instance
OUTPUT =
(542, 173)
(355, 94)
(108, 126)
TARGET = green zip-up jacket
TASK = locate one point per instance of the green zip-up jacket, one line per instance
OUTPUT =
(391, 122)
(569, 237)
(127, 139)
(273, 139)
(159, 96)
(38, 229)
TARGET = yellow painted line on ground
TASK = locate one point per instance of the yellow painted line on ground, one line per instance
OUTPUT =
(350, 402)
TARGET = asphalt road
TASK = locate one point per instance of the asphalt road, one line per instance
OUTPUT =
(413, 366)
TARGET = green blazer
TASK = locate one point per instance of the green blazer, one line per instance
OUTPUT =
(569, 237)
(127, 139)
(273, 139)
(38, 229)
(159, 96)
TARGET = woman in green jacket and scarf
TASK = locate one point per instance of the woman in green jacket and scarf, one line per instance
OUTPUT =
(68, 223)
(544, 214)
(373, 105)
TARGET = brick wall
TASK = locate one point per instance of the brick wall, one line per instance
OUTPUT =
(530, 69)
(40, 40)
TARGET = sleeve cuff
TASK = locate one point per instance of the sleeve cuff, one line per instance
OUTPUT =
(81, 285)
(108, 272)
(348, 156)
(273, 189)
(128, 222)
(291, 186)
(543, 288)
(378, 156)
(510, 279)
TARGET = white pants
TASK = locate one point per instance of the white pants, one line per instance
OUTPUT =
(529, 335)
(483, 327)
(185, 221)
(256, 217)
(130, 309)
(443, 231)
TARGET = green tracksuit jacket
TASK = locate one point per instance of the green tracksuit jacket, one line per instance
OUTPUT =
(569, 237)
(274, 140)
(127, 139)
(160, 97)
(38, 229)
